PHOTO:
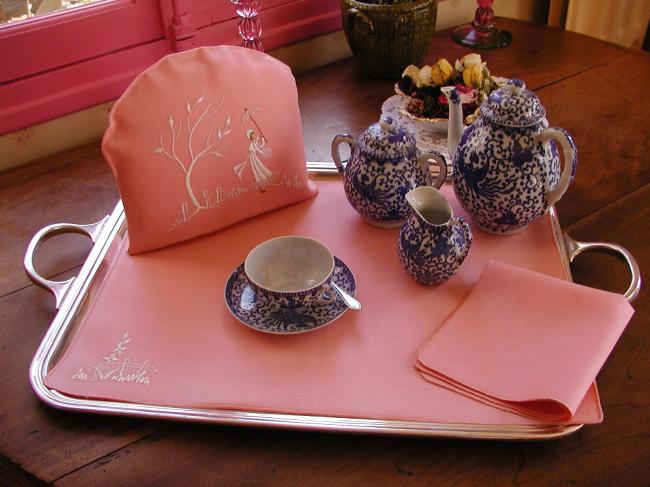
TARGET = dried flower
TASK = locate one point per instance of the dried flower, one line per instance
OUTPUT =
(441, 72)
(469, 74)
(424, 77)
(412, 72)
(470, 60)
(473, 76)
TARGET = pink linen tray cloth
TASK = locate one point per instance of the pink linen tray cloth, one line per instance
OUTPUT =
(164, 312)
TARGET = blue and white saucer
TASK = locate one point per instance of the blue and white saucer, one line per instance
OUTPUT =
(267, 317)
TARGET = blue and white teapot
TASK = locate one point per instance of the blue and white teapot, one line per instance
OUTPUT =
(384, 165)
(506, 166)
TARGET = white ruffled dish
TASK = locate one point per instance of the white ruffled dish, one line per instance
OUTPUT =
(432, 124)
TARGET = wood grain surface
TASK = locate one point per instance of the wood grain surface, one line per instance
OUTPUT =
(595, 90)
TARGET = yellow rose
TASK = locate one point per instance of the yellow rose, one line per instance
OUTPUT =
(412, 72)
(470, 60)
(473, 76)
(441, 72)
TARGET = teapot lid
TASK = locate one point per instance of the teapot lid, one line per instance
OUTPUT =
(513, 105)
(388, 141)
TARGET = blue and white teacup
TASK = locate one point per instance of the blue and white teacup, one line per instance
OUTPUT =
(291, 271)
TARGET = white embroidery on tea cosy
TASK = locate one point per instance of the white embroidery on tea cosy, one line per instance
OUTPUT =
(111, 368)
(209, 148)
(257, 148)
(186, 158)
(215, 197)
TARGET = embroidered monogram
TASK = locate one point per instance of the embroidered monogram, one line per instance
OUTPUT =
(116, 368)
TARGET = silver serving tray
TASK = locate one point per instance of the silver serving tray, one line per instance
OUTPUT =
(72, 295)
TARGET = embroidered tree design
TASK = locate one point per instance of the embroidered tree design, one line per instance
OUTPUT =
(211, 147)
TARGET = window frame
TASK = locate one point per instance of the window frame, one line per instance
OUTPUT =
(62, 38)
(67, 66)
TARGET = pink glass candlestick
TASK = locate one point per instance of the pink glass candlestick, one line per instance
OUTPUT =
(250, 26)
(482, 33)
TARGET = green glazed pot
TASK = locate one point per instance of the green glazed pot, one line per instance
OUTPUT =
(385, 38)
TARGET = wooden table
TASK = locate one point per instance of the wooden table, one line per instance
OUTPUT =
(595, 90)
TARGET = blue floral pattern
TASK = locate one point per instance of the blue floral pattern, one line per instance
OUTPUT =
(431, 254)
(502, 171)
(501, 175)
(513, 106)
(383, 168)
(286, 298)
(290, 317)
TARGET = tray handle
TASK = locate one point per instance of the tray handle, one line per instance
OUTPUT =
(58, 288)
(575, 248)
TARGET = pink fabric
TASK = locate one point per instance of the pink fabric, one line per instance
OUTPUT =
(180, 346)
(203, 139)
(526, 342)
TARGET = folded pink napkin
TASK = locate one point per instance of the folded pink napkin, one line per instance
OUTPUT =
(526, 342)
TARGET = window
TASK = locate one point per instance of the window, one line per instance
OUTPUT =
(17, 10)
(69, 60)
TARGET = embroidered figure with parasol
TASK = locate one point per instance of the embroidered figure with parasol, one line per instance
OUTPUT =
(257, 149)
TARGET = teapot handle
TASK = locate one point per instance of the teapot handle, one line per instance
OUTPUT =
(570, 160)
(336, 155)
(425, 161)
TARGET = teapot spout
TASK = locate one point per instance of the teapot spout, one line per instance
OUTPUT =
(455, 124)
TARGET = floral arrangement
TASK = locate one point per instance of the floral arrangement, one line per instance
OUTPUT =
(469, 75)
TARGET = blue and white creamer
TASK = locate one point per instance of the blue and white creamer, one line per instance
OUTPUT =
(433, 243)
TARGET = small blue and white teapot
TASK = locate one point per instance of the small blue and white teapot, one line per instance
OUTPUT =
(506, 166)
(384, 165)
